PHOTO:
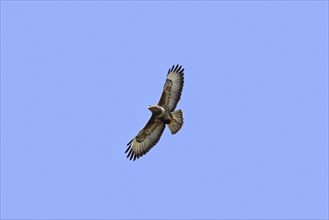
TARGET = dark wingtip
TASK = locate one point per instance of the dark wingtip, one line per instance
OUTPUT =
(129, 153)
(132, 155)
(172, 68)
(127, 150)
(129, 146)
(176, 68)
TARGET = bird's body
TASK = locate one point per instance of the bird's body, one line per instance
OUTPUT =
(162, 114)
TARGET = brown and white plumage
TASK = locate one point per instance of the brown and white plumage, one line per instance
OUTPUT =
(162, 114)
(172, 90)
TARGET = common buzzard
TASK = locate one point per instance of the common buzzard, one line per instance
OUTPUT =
(162, 114)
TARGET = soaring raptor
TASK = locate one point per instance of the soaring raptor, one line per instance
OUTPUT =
(162, 114)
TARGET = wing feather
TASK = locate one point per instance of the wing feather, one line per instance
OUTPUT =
(146, 139)
(172, 89)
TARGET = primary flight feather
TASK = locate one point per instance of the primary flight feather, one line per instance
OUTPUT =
(163, 114)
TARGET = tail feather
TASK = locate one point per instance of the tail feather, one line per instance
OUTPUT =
(176, 122)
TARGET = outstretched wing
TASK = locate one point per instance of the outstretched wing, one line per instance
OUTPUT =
(172, 89)
(146, 138)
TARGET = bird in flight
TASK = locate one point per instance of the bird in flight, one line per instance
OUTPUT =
(163, 114)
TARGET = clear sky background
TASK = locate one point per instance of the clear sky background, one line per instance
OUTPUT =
(76, 78)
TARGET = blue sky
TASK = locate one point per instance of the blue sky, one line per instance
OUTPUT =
(76, 78)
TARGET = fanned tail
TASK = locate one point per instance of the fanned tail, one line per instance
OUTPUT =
(176, 122)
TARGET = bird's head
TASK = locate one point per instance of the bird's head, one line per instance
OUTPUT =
(155, 109)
